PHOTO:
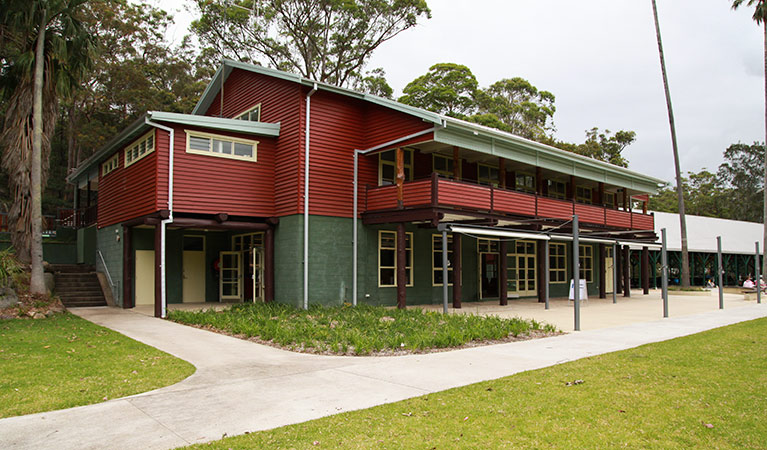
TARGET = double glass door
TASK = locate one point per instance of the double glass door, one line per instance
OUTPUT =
(521, 264)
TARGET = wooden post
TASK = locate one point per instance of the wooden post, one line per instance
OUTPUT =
(602, 269)
(571, 186)
(502, 172)
(512, 180)
(456, 270)
(401, 263)
(601, 194)
(541, 272)
(400, 161)
(88, 195)
(503, 275)
(539, 181)
(626, 271)
(127, 268)
(456, 164)
(645, 270)
(157, 270)
(625, 199)
(269, 265)
(644, 206)
(617, 260)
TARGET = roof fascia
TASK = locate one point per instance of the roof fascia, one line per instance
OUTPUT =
(217, 123)
(508, 146)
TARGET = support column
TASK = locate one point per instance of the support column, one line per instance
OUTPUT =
(269, 265)
(88, 195)
(502, 172)
(539, 181)
(127, 267)
(502, 279)
(571, 188)
(456, 270)
(626, 271)
(401, 263)
(617, 261)
(158, 270)
(456, 164)
(541, 272)
(400, 179)
(602, 271)
(601, 194)
(645, 270)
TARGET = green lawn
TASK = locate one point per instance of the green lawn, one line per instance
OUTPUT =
(357, 330)
(64, 361)
(703, 391)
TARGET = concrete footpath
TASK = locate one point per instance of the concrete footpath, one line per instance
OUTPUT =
(240, 386)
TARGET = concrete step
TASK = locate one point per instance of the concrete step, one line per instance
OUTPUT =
(72, 268)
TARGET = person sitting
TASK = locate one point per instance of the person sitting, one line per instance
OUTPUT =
(749, 283)
(762, 284)
(710, 284)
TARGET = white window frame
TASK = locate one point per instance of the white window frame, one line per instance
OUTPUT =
(563, 257)
(136, 145)
(382, 162)
(247, 112)
(233, 140)
(408, 262)
(436, 247)
(448, 162)
(110, 165)
(586, 273)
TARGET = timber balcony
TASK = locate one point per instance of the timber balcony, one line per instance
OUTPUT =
(461, 197)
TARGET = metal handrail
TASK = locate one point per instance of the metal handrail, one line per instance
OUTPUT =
(106, 269)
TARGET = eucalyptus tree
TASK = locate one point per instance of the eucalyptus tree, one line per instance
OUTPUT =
(46, 51)
(325, 40)
(685, 275)
(760, 17)
(447, 88)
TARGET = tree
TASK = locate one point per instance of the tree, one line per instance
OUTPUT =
(375, 83)
(525, 110)
(760, 17)
(685, 275)
(741, 175)
(603, 146)
(446, 88)
(47, 50)
(325, 40)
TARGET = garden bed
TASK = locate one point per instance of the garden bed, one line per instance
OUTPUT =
(360, 330)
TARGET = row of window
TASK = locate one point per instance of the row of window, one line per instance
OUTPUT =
(486, 175)
(521, 257)
(196, 142)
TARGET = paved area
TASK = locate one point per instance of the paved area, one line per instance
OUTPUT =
(240, 386)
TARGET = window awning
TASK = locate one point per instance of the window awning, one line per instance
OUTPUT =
(535, 235)
(496, 232)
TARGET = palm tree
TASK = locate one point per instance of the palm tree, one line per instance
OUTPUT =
(760, 16)
(685, 279)
(46, 51)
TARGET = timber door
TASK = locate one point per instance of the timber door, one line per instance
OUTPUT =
(230, 278)
(144, 290)
(521, 275)
(489, 263)
(608, 270)
(257, 274)
(193, 270)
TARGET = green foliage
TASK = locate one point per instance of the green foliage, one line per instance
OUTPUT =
(602, 146)
(446, 88)
(325, 40)
(359, 330)
(524, 110)
(375, 83)
(760, 9)
(9, 267)
(700, 391)
(64, 361)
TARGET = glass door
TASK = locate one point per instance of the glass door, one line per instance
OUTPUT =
(230, 280)
(257, 263)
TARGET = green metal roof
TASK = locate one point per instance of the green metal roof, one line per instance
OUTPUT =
(141, 126)
(491, 141)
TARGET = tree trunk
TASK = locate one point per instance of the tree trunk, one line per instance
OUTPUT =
(37, 283)
(764, 188)
(685, 276)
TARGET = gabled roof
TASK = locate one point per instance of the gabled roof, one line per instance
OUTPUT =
(141, 125)
(461, 133)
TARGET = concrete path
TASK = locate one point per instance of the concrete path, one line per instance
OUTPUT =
(240, 386)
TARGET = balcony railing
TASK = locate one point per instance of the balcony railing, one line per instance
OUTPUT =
(77, 218)
(437, 192)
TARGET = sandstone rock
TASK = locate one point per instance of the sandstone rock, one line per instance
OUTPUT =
(38, 315)
(8, 298)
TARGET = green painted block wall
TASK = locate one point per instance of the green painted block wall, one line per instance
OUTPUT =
(288, 257)
(110, 243)
(54, 251)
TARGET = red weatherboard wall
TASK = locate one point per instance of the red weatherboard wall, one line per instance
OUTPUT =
(129, 192)
(281, 101)
(210, 185)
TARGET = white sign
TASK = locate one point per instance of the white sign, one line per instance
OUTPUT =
(583, 294)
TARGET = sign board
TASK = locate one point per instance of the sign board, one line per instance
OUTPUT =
(583, 293)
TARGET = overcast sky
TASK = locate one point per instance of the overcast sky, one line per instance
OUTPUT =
(600, 59)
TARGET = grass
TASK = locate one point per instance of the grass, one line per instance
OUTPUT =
(359, 330)
(64, 361)
(701, 391)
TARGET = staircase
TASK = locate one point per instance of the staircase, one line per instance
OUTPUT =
(78, 285)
